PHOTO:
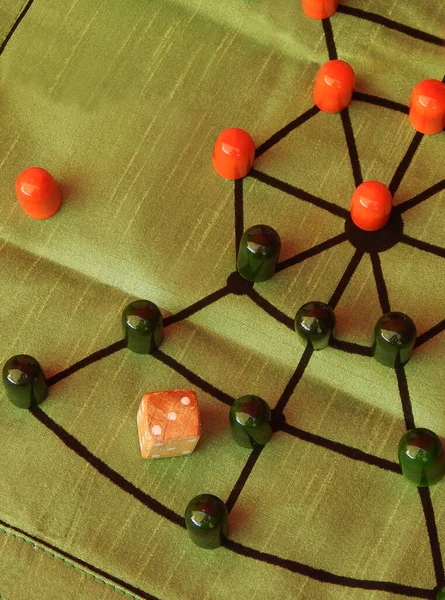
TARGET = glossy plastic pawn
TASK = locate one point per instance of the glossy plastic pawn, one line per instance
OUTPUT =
(24, 381)
(233, 153)
(206, 519)
(143, 327)
(38, 193)
(334, 86)
(250, 421)
(427, 106)
(371, 205)
(421, 457)
(315, 324)
(319, 9)
(394, 339)
(258, 253)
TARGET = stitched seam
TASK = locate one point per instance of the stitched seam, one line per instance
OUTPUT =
(71, 564)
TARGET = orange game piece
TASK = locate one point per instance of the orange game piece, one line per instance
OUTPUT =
(38, 193)
(168, 423)
(371, 205)
(319, 9)
(233, 153)
(427, 106)
(334, 86)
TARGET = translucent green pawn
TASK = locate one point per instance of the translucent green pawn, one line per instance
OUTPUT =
(421, 457)
(258, 253)
(143, 326)
(24, 381)
(250, 421)
(206, 519)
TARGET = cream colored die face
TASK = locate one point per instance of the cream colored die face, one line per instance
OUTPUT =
(168, 423)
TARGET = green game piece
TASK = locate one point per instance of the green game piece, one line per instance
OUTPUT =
(441, 594)
(258, 253)
(421, 457)
(315, 323)
(206, 519)
(143, 327)
(24, 381)
(394, 338)
(250, 418)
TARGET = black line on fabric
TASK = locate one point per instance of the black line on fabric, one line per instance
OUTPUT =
(405, 163)
(329, 37)
(127, 587)
(242, 479)
(380, 282)
(334, 209)
(193, 378)
(286, 130)
(298, 258)
(239, 213)
(350, 347)
(88, 360)
(346, 278)
(15, 25)
(293, 381)
(342, 449)
(405, 397)
(425, 246)
(428, 511)
(406, 29)
(295, 567)
(377, 101)
(101, 467)
(197, 306)
(325, 576)
(352, 147)
(428, 335)
(270, 309)
(425, 195)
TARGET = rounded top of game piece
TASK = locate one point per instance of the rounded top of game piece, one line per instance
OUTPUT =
(315, 318)
(262, 239)
(233, 153)
(429, 94)
(396, 328)
(421, 446)
(21, 369)
(206, 512)
(338, 73)
(38, 193)
(250, 411)
(140, 314)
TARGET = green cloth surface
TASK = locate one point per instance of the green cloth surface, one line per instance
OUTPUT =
(122, 102)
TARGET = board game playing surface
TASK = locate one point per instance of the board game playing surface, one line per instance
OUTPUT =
(122, 103)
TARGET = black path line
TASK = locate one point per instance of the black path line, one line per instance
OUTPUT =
(329, 37)
(352, 147)
(270, 309)
(406, 29)
(380, 282)
(405, 163)
(325, 576)
(101, 467)
(197, 306)
(431, 191)
(126, 587)
(299, 193)
(425, 246)
(286, 130)
(298, 258)
(431, 526)
(239, 213)
(296, 567)
(15, 25)
(293, 381)
(350, 347)
(377, 101)
(428, 335)
(193, 377)
(405, 397)
(88, 360)
(242, 479)
(346, 278)
(342, 449)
